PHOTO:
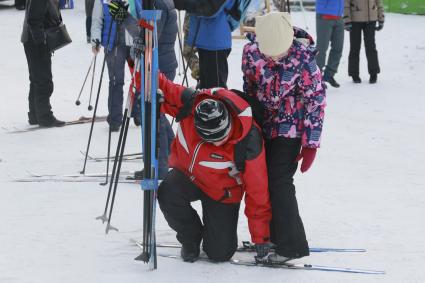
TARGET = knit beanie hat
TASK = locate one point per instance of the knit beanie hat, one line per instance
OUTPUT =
(274, 33)
(212, 120)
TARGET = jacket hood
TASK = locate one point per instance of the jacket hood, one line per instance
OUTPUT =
(240, 110)
(302, 40)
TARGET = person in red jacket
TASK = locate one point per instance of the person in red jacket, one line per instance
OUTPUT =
(217, 157)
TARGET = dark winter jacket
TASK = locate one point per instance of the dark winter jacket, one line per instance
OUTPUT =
(39, 16)
(212, 33)
(167, 32)
(330, 7)
(363, 11)
(290, 89)
(213, 169)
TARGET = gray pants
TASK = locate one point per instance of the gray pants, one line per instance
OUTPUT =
(329, 31)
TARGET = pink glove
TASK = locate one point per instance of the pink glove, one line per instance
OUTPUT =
(307, 154)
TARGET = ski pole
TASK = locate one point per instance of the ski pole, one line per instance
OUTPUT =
(90, 107)
(111, 103)
(78, 102)
(97, 100)
(120, 149)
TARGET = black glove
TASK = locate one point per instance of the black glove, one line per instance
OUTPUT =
(96, 43)
(118, 10)
(262, 250)
(348, 26)
(380, 26)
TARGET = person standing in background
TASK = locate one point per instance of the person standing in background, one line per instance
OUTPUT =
(329, 28)
(39, 16)
(212, 37)
(367, 16)
(89, 11)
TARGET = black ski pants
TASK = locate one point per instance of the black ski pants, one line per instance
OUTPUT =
(219, 229)
(40, 75)
(368, 29)
(286, 228)
(213, 68)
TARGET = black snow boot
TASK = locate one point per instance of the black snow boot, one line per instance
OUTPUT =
(330, 80)
(138, 175)
(356, 79)
(49, 120)
(32, 119)
(190, 252)
(373, 79)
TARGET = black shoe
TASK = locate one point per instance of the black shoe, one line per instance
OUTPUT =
(190, 252)
(332, 81)
(20, 7)
(138, 175)
(32, 119)
(137, 120)
(114, 127)
(49, 120)
(356, 79)
(373, 79)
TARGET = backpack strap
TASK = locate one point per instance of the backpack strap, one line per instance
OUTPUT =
(248, 148)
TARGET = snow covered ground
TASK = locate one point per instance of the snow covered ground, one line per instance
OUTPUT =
(365, 190)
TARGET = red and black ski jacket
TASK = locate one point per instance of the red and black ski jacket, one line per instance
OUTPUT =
(215, 170)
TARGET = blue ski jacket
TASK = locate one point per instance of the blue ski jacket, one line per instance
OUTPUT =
(212, 33)
(330, 7)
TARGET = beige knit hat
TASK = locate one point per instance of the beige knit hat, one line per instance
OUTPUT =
(274, 33)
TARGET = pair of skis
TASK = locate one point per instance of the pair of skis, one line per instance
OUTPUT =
(81, 120)
(249, 247)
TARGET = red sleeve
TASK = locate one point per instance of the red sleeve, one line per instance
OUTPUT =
(257, 200)
(172, 95)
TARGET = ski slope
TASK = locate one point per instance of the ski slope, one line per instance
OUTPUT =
(366, 188)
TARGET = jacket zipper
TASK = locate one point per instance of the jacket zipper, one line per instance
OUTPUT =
(195, 154)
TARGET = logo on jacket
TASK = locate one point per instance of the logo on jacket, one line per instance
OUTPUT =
(216, 156)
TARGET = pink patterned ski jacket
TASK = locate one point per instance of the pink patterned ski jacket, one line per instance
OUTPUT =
(290, 89)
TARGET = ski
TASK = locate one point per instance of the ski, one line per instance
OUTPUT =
(70, 180)
(288, 265)
(303, 266)
(81, 120)
(251, 248)
(87, 175)
(126, 157)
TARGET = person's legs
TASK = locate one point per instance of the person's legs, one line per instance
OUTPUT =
(164, 145)
(213, 68)
(32, 116)
(324, 31)
(89, 11)
(175, 194)
(116, 60)
(337, 44)
(220, 239)
(355, 45)
(286, 228)
(370, 46)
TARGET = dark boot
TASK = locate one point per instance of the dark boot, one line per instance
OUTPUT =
(138, 175)
(356, 79)
(49, 120)
(137, 121)
(330, 79)
(373, 79)
(190, 252)
(114, 127)
(32, 119)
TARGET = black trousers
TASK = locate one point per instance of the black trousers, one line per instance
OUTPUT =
(213, 68)
(40, 75)
(219, 229)
(286, 228)
(368, 29)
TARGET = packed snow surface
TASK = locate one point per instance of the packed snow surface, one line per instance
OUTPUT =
(366, 188)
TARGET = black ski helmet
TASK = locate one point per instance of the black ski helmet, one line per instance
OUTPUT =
(212, 120)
